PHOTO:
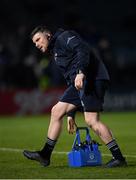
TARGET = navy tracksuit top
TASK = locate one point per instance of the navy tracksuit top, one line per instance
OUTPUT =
(71, 53)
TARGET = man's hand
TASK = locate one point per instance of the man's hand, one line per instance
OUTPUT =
(79, 81)
(71, 126)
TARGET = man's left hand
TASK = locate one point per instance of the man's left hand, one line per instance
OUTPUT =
(79, 81)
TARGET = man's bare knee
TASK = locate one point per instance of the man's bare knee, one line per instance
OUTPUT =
(92, 123)
(91, 119)
(57, 112)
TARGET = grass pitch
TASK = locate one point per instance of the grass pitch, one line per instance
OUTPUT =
(29, 132)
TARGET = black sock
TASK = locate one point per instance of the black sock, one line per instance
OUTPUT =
(48, 148)
(115, 150)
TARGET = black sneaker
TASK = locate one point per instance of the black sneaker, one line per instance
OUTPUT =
(35, 155)
(116, 163)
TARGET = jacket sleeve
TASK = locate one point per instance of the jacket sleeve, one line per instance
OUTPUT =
(81, 51)
(79, 48)
(71, 114)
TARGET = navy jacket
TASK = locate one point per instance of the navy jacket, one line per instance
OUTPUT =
(71, 54)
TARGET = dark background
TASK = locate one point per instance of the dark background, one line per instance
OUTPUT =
(108, 25)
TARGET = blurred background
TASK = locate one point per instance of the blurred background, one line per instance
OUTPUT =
(30, 82)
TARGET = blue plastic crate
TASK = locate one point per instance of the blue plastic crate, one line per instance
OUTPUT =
(84, 154)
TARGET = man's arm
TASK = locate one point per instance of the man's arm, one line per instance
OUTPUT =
(82, 52)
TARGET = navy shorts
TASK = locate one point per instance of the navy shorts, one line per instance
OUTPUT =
(90, 98)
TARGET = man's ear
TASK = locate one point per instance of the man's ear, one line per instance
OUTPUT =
(48, 36)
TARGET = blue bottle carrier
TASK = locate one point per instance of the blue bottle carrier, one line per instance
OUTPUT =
(86, 153)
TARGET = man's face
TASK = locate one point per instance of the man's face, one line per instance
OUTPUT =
(41, 41)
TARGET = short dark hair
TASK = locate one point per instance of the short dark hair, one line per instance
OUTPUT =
(39, 29)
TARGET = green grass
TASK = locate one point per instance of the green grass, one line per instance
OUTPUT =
(29, 132)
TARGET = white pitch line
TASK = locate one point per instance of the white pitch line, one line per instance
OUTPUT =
(10, 149)
(56, 152)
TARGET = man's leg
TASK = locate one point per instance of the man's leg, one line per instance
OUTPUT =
(57, 113)
(55, 126)
(93, 120)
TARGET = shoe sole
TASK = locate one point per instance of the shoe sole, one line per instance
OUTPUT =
(41, 162)
(121, 165)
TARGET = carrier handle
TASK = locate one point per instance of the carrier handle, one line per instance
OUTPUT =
(88, 137)
(78, 139)
(83, 128)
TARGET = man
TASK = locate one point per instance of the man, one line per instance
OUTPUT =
(87, 80)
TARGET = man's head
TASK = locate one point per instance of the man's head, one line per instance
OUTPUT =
(40, 37)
